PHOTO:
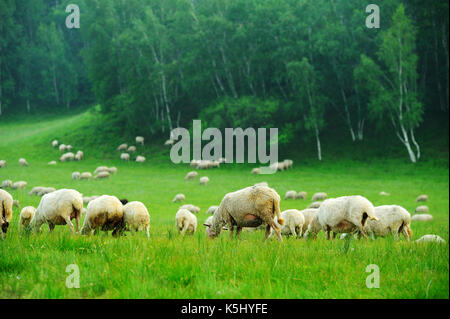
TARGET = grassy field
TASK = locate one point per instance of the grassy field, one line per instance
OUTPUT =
(167, 266)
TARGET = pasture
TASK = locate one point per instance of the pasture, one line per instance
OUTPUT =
(168, 266)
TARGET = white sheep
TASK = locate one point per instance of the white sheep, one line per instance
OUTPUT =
(26, 215)
(249, 207)
(422, 198)
(125, 157)
(288, 163)
(23, 162)
(131, 149)
(191, 175)
(19, 185)
(58, 208)
(185, 221)
(192, 208)
(52, 163)
(320, 196)
(2, 163)
(204, 180)
(256, 170)
(422, 217)
(392, 219)
(86, 175)
(136, 217)
(122, 147)
(293, 223)
(346, 214)
(55, 143)
(431, 238)
(207, 224)
(6, 212)
(76, 175)
(16, 203)
(140, 140)
(112, 170)
(62, 147)
(69, 147)
(102, 175)
(422, 209)
(211, 210)
(194, 163)
(104, 213)
(315, 204)
(41, 191)
(140, 159)
(301, 195)
(308, 214)
(79, 156)
(290, 195)
(178, 198)
(101, 169)
(6, 183)
(67, 157)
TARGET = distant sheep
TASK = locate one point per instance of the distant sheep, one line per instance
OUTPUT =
(102, 175)
(125, 157)
(67, 157)
(2, 163)
(41, 191)
(301, 195)
(140, 159)
(136, 217)
(131, 149)
(52, 163)
(430, 238)
(23, 162)
(76, 175)
(422, 198)
(178, 198)
(25, 217)
(16, 203)
(288, 163)
(422, 209)
(290, 195)
(191, 175)
(192, 208)
(104, 213)
(6, 183)
(69, 147)
(204, 180)
(185, 221)
(315, 205)
(55, 143)
(79, 156)
(422, 217)
(293, 223)
(101, 169)
(112, 170)
(86, 175)
(256, 170)
(6, 202)
(384, 194)
(122, 147)
(140, 140)
(19, 185)
(392, 219)
(211, 210)
(319, 196)
(62, 147)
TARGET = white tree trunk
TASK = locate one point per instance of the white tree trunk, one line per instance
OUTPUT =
(319, 149)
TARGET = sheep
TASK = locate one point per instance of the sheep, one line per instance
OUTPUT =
(384, 194)
(112, 170)
(122, 147)
(290, 195)
(288, 163)
(430, 238)
(6, 183)
(76, 175)
(104, 213)
(191, 208)
(293, 223)
(422, 198)
(248, 207)
(67, 157)
(19, 185)
(62, 147)
(178, 198)
(194, 163)
(392, 219)
(222, 160)
(185, 221)
(86, 175)
(101, 169)
(2, 163)
(169, 142)
(45, 190)
(23, 162)
(52, 163)
(301, 195)
(69, 147)
(131, 149)
(346, 214)
(125, 157)
(102, 175)
(55, 143)
(79, 156)
(191, 175)
(256, 170)
(319, 196)
(140, 159)
(140, 140)
(422, 209)
(204, 180)
(211, 210)
(6, 203)
(86, 199)
(136, 217)
(16, 203)
(207, 224)
(308, 215)
(58, 208)
(25, 217)
(315, 204)
(422, 217)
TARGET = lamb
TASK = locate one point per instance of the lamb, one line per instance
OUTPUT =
(86, 175)
(62, 147)
(211, 210)
(2, 163)
(6, 183)
(185, 221)
(6, 212)
(422, 209)
(23, 162)
(67, 157)
(288, 163)
(58, 208)
(422, 198)
(102, 175)
(248, 207)
(256, 170)
(76, 175)
(52, 163)
(55, 143)
(178, 198)
(301, 195)
(191, 208)
(140, 140)
(79, 156)
(25, 217)
(319, 196)
(122, 147)
(104, 213)
(422, 217)
(112, 170)
(290, 195)
(315, 205)
(293, 223)
(346, 214)
(125, 156)
(191, 175)
(392, 219)
(308, 214)
(140, 159)
(131, 149)
(19, 185)
(430, 238)
(136, 217)
(204, 180)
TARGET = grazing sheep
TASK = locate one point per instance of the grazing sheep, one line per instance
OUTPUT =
(140, 140)
(430, 238)
(207, 224)
(256, 170)
(104, 213)
(290, 195)
(79, 156)
(191, 175)
(69, 147)
(178, 198)
(422, 198)
(204, 180)
(249, 207)
(422, 209)
(67, 157)
(136, 217)
(102, 175)
(422, 217)
(58, 208)
(2, 163)
(26, 215)
(131, 149)
(62, 147)
(319, 196)
(140, 159)
(19, 185)
(6, 203)
(384, 194)
(293, 223)
(346, 214)
(308, 214)
(125, 157)
(288, 163)
(16, 203)
(211, 210)
(112, 170)
(392, 219)
(86, 175)
(76, 175)
(169, 142)
(122, 147)
(194, 163)
(23, 162)
(191, 208)
(185, 221)
(52, 163)
(301, 195)
(55, 143)
(7, 183)
(315, 205)
(40, 190)
(101, 169)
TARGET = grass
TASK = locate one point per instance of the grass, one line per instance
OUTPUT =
(167, 266)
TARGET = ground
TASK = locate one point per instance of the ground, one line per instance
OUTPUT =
(167, 266)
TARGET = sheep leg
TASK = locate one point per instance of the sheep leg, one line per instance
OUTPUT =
(77, 223)
(300, 232)
(275, 227)
(147, 231)
(51, 226)
(292, 230)
(238, 231)
(328, 231)
(231, 231)
(69, 223)
(334, 235)
(268, 232)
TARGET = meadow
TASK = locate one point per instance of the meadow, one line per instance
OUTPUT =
(168, 266)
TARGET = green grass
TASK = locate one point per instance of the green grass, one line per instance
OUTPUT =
(167, 266)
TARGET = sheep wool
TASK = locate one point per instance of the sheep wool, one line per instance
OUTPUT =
(178, 198)
(104, 213)
(26, 215)
(392, 219)
(204, 180)
(136, 217)
(290, 195)
(6, 212)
